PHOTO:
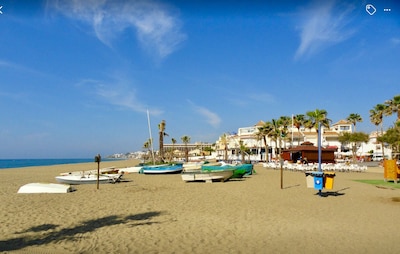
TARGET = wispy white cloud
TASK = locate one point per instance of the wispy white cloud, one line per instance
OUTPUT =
(395, 41)
(158, 29)
(212, 118)
(323, 25)
(19, 67)
(117, 92)
(261, 97)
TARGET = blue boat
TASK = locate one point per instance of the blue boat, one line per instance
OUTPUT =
(162, 169)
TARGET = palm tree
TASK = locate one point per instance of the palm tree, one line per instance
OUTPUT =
(276, 135)
(161, 132)
(243, 150)
(186, 141)
(308, 123)
(224, 142)
(284, 122)
(173, 141)
(318, 116)
(147, 145)
(263, 132)
(353, 119)
(298, 121)
(394, 106)
(376, 116)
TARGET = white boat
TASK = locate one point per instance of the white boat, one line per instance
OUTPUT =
(192, 165)
(88, 178)
(45, 188)
(109, 170)
(129, 170)
(136, 169)
(198, 164)
(207, 176)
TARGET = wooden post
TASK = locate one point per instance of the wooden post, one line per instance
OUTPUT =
(97, 159)
(281, 162)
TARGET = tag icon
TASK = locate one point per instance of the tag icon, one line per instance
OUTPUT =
(370, 9)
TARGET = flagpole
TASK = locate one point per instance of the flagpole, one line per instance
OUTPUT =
(151, 138)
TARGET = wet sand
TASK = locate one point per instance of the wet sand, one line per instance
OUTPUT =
(163, 214)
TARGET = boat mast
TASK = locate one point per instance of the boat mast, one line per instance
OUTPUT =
(151, 138)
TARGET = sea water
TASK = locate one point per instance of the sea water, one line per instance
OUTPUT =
(19, 163)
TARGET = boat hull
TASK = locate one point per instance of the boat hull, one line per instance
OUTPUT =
(247, 168)
(164, 169)
(88, 179)
(45, 188)
(207, 176)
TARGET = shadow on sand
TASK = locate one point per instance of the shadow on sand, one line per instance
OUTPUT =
(292, 186)
(72, 232)
(331, 193)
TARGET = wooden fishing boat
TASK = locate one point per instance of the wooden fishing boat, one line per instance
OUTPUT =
(207, 176)
(88, 178)
(162, 169)
(240, 170)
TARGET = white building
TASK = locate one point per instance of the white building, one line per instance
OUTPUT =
(230, 143)
(374, 148)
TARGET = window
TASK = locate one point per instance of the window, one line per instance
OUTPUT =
(345, 128)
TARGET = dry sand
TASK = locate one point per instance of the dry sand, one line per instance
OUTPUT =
(162, 214)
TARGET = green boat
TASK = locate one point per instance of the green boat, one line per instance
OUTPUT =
(239, 170)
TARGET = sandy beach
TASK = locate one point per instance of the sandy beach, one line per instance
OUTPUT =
(163, 214)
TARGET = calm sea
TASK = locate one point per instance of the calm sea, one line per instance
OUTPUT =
(19, 163)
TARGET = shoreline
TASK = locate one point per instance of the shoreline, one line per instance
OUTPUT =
(48, 162)
(162, 214)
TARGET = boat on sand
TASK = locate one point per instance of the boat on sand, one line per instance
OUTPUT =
(109, 170)
(162, 169)
(89, 178)
(239, 169)
(207, 176)
(136, 169)
(45, 188)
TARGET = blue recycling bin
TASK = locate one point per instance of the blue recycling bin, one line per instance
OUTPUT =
(318, 180)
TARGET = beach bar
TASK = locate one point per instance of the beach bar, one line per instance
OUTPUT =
(308, 151)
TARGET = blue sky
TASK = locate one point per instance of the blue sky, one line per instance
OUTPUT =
(77, 77)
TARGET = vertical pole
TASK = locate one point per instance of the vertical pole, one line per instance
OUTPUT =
(281, 162)
(151, 138)
(280, 159)
(319, 153)
(97, 159)
(98, 174)
(319, 148)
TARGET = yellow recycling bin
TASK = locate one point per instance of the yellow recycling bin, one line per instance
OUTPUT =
(328, 180)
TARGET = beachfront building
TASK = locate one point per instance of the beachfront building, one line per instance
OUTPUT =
(228, 145)
(197, 149)
(374, 149)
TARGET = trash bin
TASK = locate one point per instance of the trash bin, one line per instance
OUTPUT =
(318, 180)
(328, 180)
(309, 179)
